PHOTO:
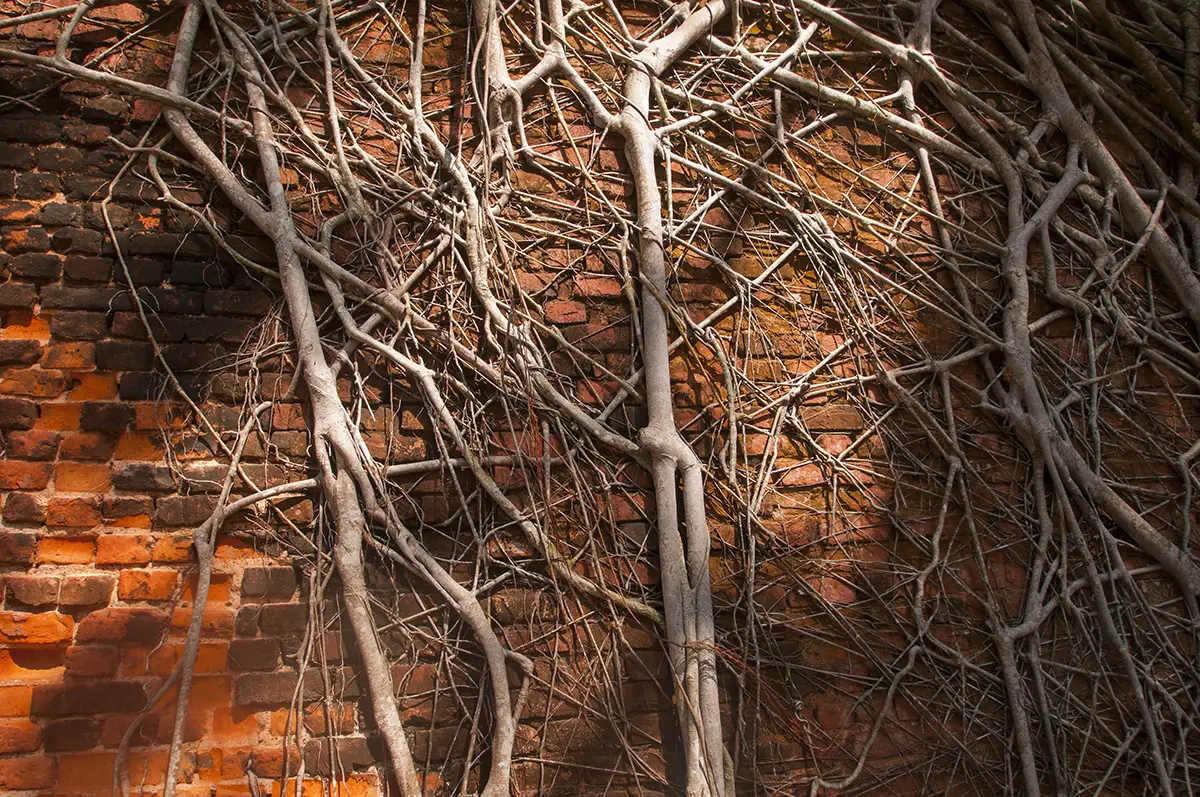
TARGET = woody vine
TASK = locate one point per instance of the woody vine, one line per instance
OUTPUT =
(1040, 173)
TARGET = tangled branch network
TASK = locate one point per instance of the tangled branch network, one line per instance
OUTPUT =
(976, 228)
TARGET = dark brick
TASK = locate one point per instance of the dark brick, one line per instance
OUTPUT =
(200, 329)
(105, 416)
(192, 356)
(123, 355)
(350, 753)
(24, 508)
(68, 325)
(252, 303)
(172, 301)
(17, 413)
(33, 444)
(59, 214)
(266, 689)
(29, 131)
(142, 385)
(275, 582)
(75, 241)
(68, 298)
(254, 654)
(18, 212)
(71, 734)
(145, 272)
(23, 352)
(87, 269)
(90, 589)
(18, 294)
(280, 618)
(14, 157)
(166, 244)
(111, 697)
(184, 510)
(17, 547)
(246, 623)
(143, 477)
(166, 329)
(36, 266)
(208, 274)
(36, 185)
(59, 159)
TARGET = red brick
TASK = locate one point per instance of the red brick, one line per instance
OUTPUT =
(19, 736)
(598, 286)
(43, 628)
(92, 589)
(25, 508)
(563, 311)
(123, 549)
(27, 772)
(73, 512)
(147, 585)
(34, 382)
(92, 661)
(33, 444)
(24, 475)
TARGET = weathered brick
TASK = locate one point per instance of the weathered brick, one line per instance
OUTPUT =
(246, 623)
(40, 628)
(92, 589)
(32, 590)
(87, 446)
(122, 624)
(350, 752)
(59, 159)
(63, 297)
(77, 733)
(19, 736)
(33, 382)
(82, 477)
(57, 700)
(24, 508)
(124, 355)
(254, 654)
(147, 585)
(17, 475)
(17, 413)
(143, 477)
(17, 547)
(105, 416)
(20, 352)
(275, 582)
(831, 417)
(253, 303)
(16, 240)
(37, 185)
(20, 295)
(14, 157)
(92, 661)
(28, 130)
(33, 444)
(185, 246)
(26, 772)
(66, 356)
(73, 512)
(59, 214)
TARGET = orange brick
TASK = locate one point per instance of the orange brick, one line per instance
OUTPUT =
(66, 550)
(94, 387)
(147, 585)
(32, 665)
(174, 548)
(15, 700)
(24, 324)
(19, 736)
(70, 355)
(43, 628)
(139, 445)
(27, 772)
(123, 549)
(59, 416)
(81, 477)
(17, 475)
